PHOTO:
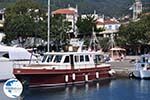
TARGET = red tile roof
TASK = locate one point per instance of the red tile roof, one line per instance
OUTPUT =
(110, 22)
(99, 23)
(64, 11)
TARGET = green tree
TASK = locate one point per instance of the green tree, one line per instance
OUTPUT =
(135, 32)
(85, 28)
(86, 25)
(24, 19)
(59, 30)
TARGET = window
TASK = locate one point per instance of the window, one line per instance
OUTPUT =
(110, 27)
(1, 17)
(69, 23)
(66, 59)
(58, 58)
(117, 27)
(98, 59)
(6, 55)
(87, 58)
(50, 58)
(81, 58)
(44, 58)
(76, 58)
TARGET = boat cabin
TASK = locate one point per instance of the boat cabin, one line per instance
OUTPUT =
(143, 62)
(145, 59)
(72, 60)
(117, 53)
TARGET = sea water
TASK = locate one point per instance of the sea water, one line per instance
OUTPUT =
(119, 89)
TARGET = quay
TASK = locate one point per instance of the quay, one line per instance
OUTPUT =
(124, 68)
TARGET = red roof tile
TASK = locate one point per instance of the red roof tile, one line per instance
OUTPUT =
(64, 11)
(99, 23)
(110, 22)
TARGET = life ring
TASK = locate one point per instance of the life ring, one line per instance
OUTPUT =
(131, 75)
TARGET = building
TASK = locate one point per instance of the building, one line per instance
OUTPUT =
(2, 24)
(1, 20)
(71, 15)
(111, 26)
(137, 9)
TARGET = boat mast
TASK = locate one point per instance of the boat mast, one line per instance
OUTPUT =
(48, 33)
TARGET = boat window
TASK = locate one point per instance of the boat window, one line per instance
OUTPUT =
(98, 59)
(50, 58)
(66, 59)
(81, 58)
(76, 58)
(6, 55)
(58, 58)
(146, 60)
(44, 58)
(87, 58)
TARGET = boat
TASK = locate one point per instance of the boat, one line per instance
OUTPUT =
(117, 54)
(65, 68)
(13, 56)
(75, 66)
(142, 67)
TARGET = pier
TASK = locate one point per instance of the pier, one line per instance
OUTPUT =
(125, 67)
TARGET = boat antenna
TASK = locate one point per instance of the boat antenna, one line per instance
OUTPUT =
(48, 32)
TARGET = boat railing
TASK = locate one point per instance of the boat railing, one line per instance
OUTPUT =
(23, 63)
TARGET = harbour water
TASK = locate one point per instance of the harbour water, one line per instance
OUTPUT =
(119, 89)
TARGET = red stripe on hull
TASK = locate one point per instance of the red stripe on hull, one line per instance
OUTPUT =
(38, 77)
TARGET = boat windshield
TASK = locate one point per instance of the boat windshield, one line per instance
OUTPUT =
(58, 58)
(50, 58)
(47, 58)
(44, 58)
(146, 59)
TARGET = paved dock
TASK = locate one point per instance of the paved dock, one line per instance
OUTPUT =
(125, 67)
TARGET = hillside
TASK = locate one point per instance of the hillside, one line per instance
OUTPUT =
(108, 7)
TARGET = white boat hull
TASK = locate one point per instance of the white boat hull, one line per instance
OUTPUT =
(136, 73)
(6, 67)
(6, 70)
(13, 57)
(145, 74)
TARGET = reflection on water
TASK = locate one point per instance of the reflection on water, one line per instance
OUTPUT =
(75, 92)
(121, 89)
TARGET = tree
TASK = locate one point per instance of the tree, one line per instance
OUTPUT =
(59, 30)
(135, 32)
(24, 19)
(85, 27)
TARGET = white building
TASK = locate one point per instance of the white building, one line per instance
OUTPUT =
(137, 9)
(111, 26)
(2, 24)
(2, 18)
(71, 16)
